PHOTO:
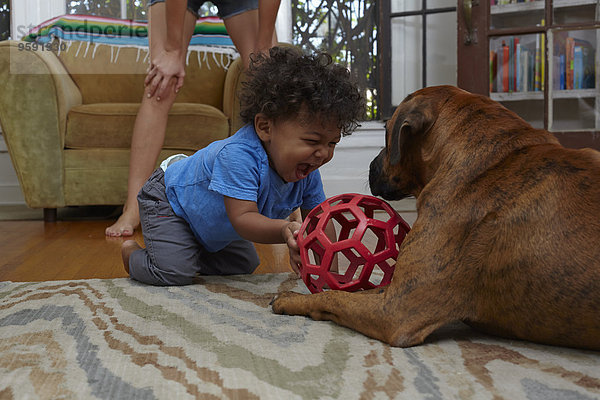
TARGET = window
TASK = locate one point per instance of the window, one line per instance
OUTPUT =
(421, 38)
(125, 9)
(348, 31)
(392, 48)
(4, 19)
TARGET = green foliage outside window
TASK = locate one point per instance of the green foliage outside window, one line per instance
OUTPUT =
(348, 31)
(4, 19)
(136, 9)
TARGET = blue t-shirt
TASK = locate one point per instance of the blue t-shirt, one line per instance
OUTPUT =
(236, 167)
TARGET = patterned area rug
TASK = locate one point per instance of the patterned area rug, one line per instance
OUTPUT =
(117, 339)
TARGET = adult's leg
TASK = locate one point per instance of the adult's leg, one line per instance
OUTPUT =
(150, 125)
(243, 30)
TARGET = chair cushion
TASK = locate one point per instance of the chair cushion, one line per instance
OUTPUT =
(109, 74)
(110, 125)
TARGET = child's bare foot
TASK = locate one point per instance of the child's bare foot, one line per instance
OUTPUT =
(128, 247)
(125, 225)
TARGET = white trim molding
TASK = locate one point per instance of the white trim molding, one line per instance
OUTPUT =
(283, 24)
(27, 14)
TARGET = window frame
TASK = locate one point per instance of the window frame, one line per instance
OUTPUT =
(385, 51)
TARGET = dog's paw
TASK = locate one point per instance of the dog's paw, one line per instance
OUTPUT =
(281, 303)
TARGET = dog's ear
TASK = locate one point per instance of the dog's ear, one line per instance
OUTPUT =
(407, 128)
(394, 148)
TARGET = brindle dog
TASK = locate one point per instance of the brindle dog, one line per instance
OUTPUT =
(507, 237)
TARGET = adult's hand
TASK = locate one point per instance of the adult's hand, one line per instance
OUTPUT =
(165, 67)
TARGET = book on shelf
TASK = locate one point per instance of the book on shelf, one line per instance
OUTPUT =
(493, 70)
(579, 68)
(528, 70)
(562, 83)
(569, 52)
(505, 67)
(517, 65)
(542, 59)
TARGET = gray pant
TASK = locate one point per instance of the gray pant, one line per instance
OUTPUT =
(172, 255)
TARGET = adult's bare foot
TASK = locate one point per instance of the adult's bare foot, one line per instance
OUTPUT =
(128, 247)
(125, 225)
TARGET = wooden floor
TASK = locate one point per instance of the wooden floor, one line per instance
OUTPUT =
(38, 251)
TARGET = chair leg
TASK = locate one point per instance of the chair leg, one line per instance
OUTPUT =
(50, 214)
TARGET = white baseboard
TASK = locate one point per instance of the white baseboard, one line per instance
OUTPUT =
(11, 195)
(10, 190)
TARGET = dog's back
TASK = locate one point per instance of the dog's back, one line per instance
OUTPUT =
(538, 243)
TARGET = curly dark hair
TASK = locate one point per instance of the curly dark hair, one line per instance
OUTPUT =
(288, 83)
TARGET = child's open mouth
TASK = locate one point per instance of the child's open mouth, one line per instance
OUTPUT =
(303, 170)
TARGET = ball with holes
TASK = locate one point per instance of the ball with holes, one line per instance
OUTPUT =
(362, 255)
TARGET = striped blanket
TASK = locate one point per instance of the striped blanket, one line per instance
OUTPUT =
(118, 339)
(209, 31)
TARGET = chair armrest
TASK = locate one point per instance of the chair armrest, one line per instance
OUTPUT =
(37, 94)
(231, 95)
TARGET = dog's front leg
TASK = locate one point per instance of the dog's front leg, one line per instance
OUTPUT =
(374, 313)
(359, 311)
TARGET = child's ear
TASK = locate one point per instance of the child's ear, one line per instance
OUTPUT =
(262, 126)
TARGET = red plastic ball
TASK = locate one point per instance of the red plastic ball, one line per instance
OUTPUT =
(368, 237)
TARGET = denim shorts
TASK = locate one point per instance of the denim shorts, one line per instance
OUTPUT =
(227, 8)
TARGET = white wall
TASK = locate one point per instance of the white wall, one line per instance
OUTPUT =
(283, 25)
(27, 14)
(348, 170)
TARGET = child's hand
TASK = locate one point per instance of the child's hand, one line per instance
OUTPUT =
(290, 233)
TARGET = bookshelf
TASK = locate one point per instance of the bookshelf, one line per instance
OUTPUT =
(541, 60)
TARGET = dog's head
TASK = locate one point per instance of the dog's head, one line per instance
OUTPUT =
(405, 166)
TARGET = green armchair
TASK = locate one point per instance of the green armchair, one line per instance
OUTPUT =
(67, 117)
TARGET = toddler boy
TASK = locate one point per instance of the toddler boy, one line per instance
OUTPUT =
(200, 215)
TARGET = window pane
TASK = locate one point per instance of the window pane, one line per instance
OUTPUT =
(4, 20)
(505, 14)
(347, 30)
(137, 10)
(405, 5)
(441, 49)
(574, 93)
(105, 8)
(571, 12)
(517, 74)
(407, 58)
(440, 3)
(517, 63)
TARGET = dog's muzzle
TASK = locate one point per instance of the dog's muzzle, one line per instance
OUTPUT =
(380, 184)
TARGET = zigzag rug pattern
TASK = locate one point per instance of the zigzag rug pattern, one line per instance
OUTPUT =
(118, 339)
